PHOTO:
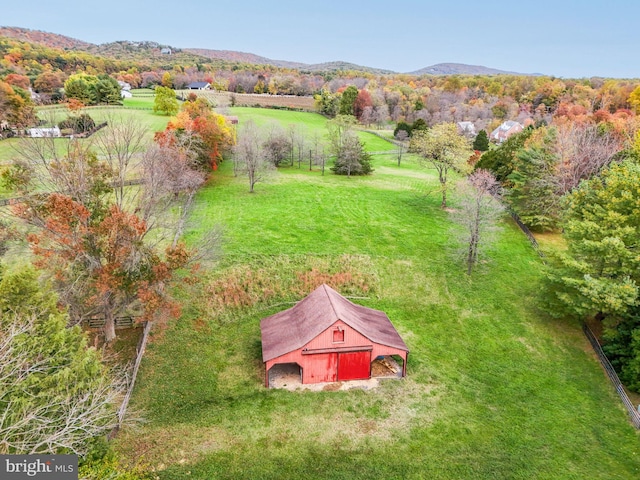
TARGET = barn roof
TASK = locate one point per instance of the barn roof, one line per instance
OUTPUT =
(291, 329)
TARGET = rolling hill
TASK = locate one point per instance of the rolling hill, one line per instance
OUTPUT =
(141, 50)
(463, 69)
(47, 39)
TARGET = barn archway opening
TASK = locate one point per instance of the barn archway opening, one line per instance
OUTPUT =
(387, 366)
(285, 375)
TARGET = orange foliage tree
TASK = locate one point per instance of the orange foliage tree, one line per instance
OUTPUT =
(105, 253)
(203, 134)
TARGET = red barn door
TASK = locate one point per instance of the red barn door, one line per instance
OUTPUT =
(354, 365)
(321, 368)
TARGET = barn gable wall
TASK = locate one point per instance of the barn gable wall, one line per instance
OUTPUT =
(352, 338)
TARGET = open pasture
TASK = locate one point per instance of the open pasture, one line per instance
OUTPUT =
(494, 389)
(313, 124)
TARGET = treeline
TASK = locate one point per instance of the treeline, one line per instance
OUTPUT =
(482, 99)
(581, 177)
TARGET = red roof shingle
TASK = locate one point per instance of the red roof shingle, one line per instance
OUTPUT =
(291, 329)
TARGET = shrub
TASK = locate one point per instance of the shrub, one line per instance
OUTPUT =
(78, 124)
(402, 126)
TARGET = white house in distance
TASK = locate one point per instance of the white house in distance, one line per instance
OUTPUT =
(125, 89)
(505, 130)
(44, 132)
(468, 129)
(199, 86)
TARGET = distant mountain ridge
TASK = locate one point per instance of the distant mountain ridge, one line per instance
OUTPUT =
(234, 56)
(463, 69)
(120, 49)
(47, 39)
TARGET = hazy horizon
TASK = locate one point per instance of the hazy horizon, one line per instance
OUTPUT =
(565, 39)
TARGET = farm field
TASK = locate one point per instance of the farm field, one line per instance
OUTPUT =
(312, 123)
(306, 103)
(137, 108)
(494, 389)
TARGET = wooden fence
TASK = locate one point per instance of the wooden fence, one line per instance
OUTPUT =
(634, 415)
(523, 228)
(121, 322)
(140, 349)
(13, 200)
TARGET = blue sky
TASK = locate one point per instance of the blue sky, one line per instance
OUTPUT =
(571, 38)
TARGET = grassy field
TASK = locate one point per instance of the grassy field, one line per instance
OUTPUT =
(494, 390)
(312, 123)
(137, 108)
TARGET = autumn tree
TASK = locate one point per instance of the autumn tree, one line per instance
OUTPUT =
(165, 101)
(551, 163)
(16, 107)
(278, 146)
(582, 151)
(444, 149)
(108, 254)
(362, 101)
(337, 131)
(205, 135)
(18, 80)
(477, 214)
(48, 82)
(634, 99)
(249, 155)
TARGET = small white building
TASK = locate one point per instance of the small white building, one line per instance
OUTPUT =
(126, 94)
(468, 129)
(199, 86)
(44, 132)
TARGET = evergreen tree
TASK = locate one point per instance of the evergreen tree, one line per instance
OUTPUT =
(347, 100)
(481, 142)
(500, 160)
(107, 90)
(353, 159)
(533, 194)
(55, 393)
(419, 125)
(599, 274)
(402, 126)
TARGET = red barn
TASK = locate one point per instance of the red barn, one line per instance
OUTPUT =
(329, 338)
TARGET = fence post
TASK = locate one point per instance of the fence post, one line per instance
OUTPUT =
(139, 354)
(634, 415)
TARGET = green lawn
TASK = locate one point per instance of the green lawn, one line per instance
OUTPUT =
(154, 122)
(311, 123)
(494, 389)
